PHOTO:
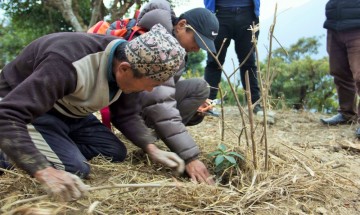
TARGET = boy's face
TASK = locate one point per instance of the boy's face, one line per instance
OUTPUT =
(186, 37)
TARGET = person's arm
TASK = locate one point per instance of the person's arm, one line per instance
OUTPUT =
(125, 116)
(34, 96)
(160, 111)
(154, 12)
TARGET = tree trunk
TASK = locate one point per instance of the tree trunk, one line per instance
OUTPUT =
(119, 12)
(97, 12)
(65, 6)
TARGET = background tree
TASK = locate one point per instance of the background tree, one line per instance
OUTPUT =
(194, 67)
(26, 20)
(303, 81)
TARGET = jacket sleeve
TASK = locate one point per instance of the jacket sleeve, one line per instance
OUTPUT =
(154, 12)
(125, 116)
(159, 110)
(21, 103)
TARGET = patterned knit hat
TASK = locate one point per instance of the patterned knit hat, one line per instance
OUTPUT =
(157, 54)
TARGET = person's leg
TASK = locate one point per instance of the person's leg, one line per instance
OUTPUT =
(340, 70)
(51, 137)
(4, 161)
(353, 52)
(93, 138)
(189, 95)
(212, 70)
(243, 45)
(4, 89)
(68, 143)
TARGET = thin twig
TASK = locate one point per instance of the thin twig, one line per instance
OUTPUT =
(251, 120)
(222, 115)
(310, 171)
(11, 172)
(134, 185)
(100, 188)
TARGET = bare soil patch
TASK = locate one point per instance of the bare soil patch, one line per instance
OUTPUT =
(314, 169)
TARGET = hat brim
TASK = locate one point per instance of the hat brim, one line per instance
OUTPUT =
(209, 43)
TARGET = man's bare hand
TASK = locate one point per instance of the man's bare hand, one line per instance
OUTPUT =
(207, 105)
(199, 173)
(61, 185)
(169, 159)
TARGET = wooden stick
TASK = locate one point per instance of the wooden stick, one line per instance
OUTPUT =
(100, 188)
(133, 185)
(310, 171)
(251, 120)
(11, 172)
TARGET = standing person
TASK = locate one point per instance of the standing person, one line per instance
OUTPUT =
(50, 90)
(343, 46)
(172, 106)
(235, 18)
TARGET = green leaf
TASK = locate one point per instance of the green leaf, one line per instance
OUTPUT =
(222, 147)
(219, 159)
(212, 154)
(230, 159)
(237, 155)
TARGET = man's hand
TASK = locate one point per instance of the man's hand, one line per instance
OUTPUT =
(199, 173)
(207, 105)
(61, 185)
(169, 159)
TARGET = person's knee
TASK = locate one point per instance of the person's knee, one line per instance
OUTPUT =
(198, 88)
(79, 168)
(120, 156)
(4, 162)
(204, 88)
(119, 152)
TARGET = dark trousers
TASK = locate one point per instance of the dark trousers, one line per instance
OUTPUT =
(234, 24)
(68, 143)
(344, 58)
(189, 95)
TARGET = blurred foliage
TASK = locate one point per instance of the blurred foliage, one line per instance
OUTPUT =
(304, 82)
(27, 20)
(300, 81)
(194, 68)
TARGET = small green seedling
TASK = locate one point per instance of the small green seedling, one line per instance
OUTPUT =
(224, 159)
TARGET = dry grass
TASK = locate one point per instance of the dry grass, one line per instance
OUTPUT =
(309, 174)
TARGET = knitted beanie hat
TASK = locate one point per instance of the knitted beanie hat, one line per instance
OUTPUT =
(156, 54)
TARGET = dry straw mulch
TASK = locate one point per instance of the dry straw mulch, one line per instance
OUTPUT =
(310, 173)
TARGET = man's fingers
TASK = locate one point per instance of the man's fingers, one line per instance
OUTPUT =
(181, 168)
(170, 163)
(61, 185)
(77, 187)
(59, 193)
(83, 188)
(180, 163)
(210, 180)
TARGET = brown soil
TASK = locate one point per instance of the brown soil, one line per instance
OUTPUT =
(313, 169)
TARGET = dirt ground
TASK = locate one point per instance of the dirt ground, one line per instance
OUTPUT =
(313, 169)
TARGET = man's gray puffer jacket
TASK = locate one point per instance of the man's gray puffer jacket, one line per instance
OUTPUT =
(159, 106)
